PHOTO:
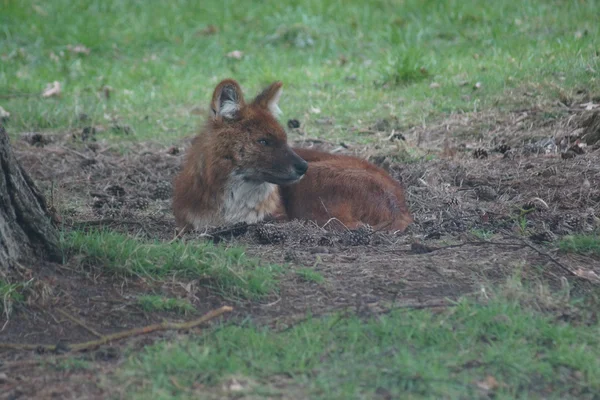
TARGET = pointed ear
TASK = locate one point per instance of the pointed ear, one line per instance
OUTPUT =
(227, 100)
(269, 98)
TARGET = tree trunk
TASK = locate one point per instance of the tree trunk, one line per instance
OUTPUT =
(26, 229)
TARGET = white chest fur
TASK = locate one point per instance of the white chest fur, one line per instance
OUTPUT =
(244, 200)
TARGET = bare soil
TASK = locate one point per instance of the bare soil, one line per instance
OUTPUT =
(514, 180)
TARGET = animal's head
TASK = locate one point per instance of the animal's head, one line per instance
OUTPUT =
(250, 137)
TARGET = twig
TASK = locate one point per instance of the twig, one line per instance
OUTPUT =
(163, 326)
(179, 234)
(78, 322)
(76, 153)
(452, 246)
(542, 253)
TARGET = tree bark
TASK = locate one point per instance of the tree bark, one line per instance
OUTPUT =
(26, 229)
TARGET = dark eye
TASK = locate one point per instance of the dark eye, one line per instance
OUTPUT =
(264, 142)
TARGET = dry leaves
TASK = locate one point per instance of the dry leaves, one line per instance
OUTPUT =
(4, 114)
(52, 89)
(488, 384)
(590, 106)
(587, 274)
(209, 30)
(236, 54)
(78, 49)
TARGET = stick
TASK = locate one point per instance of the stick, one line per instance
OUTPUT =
(540, 252)
(163, 326)
(78, 322)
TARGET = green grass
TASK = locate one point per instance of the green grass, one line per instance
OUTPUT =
(405, 354)
(355, 61)
(310, 275)
(10, 293)
(482, 234)
(226, 269)
(583, 244)
(152, 303)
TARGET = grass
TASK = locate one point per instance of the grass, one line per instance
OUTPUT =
(153, 303)
(482, 234)
(10, 293)
(502, 349)
(583, 244)
(356, 62)
(226, 269)
(310, 275)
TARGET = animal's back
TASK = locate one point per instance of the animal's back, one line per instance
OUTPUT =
(349, 189)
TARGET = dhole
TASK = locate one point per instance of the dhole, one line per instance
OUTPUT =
(241, 169)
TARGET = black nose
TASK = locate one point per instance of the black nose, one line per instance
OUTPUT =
(300, 167)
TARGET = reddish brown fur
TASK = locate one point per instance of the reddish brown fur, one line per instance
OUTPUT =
(349, 189)
(229, 158)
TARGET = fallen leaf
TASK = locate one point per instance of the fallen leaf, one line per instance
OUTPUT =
(236, 54)
(209, 30)
(4, 114)
(590, 106)
(39, 10)
(236, 384)
(176, 383)
(587, 274)
(489, 383)
(434, 85)
(78, 49)
(106, 91)
(315, 110)
(447, 150)
(52, 89)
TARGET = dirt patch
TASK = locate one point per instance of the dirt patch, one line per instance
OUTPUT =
(485, 207)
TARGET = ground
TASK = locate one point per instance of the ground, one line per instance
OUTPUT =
(478, 221)
(488, 113)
